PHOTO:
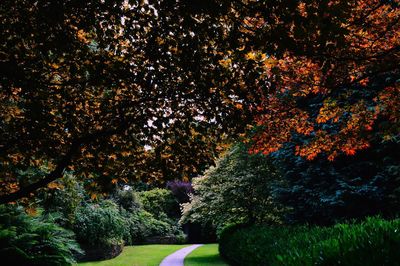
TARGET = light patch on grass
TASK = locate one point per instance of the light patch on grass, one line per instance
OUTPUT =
(206, 255)
(144, 255)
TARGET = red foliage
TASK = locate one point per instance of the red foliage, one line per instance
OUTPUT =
(338, 75)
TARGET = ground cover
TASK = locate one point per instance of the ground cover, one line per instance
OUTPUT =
(205, 255)
(143, 255)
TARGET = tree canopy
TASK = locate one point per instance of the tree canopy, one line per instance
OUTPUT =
(239, 189)
(110, 89)
(146, 89)
(327, 72)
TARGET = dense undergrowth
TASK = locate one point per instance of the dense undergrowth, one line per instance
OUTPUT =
(34, 239)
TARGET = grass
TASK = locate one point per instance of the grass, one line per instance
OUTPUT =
(144, 255)
(206, 255)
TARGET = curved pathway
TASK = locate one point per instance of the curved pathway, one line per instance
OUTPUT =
(177, 258)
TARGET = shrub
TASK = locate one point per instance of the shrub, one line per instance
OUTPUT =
(127, 199)
(34, 240)
(65, 199)
(159, 201)
(143, 226)
(100, 225)
(372, 242)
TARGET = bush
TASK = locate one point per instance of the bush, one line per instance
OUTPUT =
(127, 199)
(104, 226)
(100, 227)
(159, 201)
(34, 240)
(142, 226)
(372, 242)
(63, 200)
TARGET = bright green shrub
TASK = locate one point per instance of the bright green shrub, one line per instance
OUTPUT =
(372, 242)
(142, 225)
(159, 201)
(38, 240)
(99, 225)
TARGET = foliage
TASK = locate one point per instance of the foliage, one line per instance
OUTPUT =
(372, 242)
(159, 202)
(124, 218)
(99, 225)
(64, 197)
(237, 189)
(154, 214)
(139, 256)
(323, 192)
(181, 190)
(88, 85)
(103, 87)
(34, 240)
(325, 70)
(142, 225)
(127, 199)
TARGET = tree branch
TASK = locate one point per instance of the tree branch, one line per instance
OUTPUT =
(62, 164)
(55, 174)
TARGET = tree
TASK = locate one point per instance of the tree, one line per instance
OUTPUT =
(88, 86)
(237, 190)
(350, 187)
(159, 202)
(327, 73)
(325, 70)
(112, 90)
(181, 190)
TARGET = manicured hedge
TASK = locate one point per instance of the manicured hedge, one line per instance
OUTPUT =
(372, 242)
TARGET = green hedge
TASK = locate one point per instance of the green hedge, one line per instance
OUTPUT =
(372, 242)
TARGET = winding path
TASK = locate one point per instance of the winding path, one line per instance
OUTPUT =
(177, 258)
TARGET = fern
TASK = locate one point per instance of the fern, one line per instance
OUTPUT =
(26, 240)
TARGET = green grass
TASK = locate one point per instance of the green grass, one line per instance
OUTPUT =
(144, 255)
(206, 255)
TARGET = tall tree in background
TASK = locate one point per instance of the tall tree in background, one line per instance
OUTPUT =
(237, 190)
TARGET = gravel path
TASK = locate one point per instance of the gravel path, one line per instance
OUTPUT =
(177, 258)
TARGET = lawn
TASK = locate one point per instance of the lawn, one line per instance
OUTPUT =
(144, 255)
(206, 255)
